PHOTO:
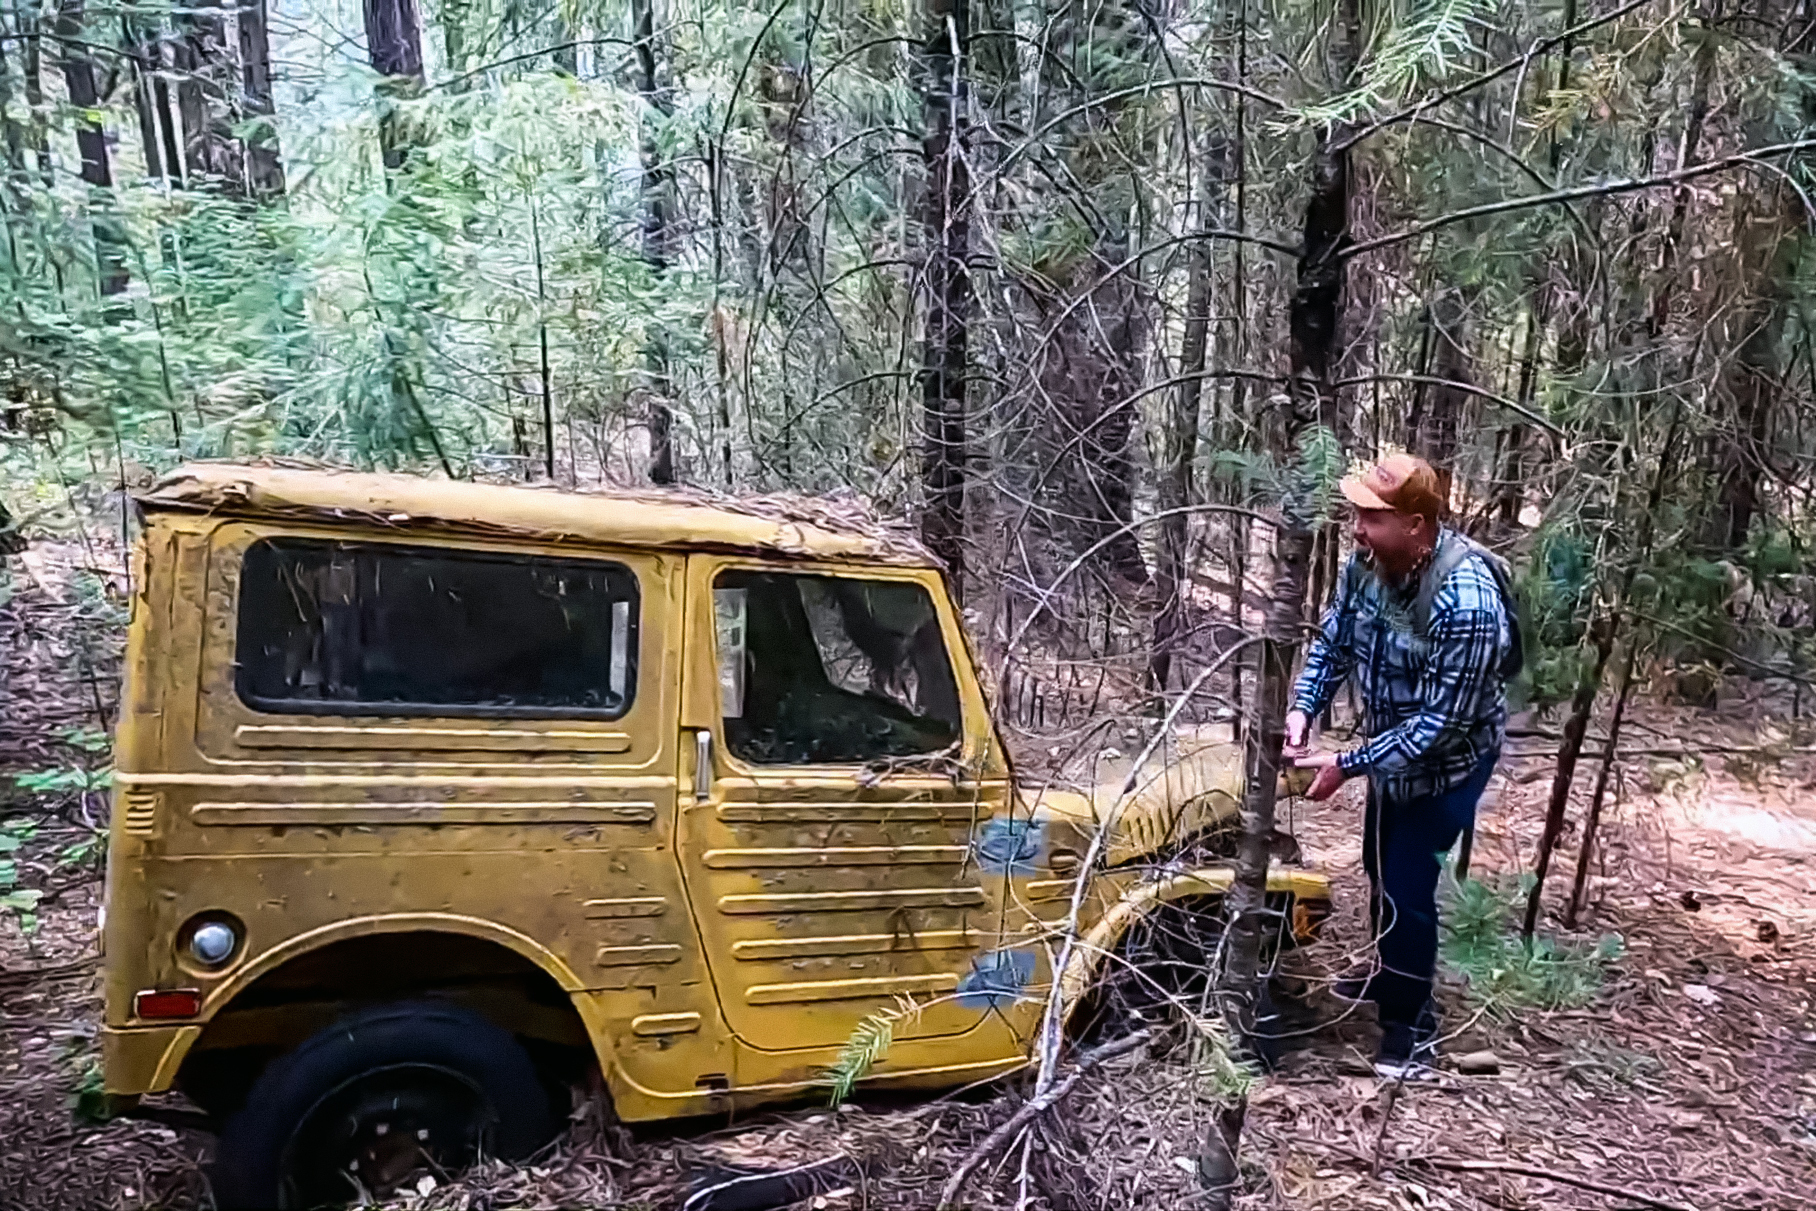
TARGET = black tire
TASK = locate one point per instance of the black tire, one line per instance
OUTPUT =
(461, 1086)
(1162, 965)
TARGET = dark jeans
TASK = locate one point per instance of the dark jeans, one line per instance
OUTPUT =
(1402, 841)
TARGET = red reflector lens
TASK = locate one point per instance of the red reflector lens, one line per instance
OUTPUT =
(171, 1003)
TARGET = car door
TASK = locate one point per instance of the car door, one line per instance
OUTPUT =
(842, 763)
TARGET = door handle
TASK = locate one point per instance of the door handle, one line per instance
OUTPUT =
(703, 764)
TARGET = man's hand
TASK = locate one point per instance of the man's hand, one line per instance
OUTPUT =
(1330, 775)
(1298, 728)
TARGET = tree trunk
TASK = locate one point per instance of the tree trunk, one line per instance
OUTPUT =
(1593, 820)
(210, 152)
(1311, 419)
(394, 48)
(1088, 365)
(1234, 428)
(1569, 749)
(947, 234)
(1750, 381)
(994, 59)
(453, 17)
(658, 188)
(264, 162)
(143, 40)
(91, 145)
(14, 132)
(1180, 436)
(1435, 437)
(1510, 472)
(26, 22)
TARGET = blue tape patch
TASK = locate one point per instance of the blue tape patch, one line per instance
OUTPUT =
(996, 979)
(1007, 846)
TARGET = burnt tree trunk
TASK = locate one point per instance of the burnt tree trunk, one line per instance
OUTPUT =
(394, 48)
(658, 220)
(1751, 379)
(16, 187)
(205, 92)
(1592, 822)
(91, 145)
(1510, 463)
(453, 18)
(1313, 324)
(947, 232)
(1094, 306)
(1569, 750)
(1602, 634)
(32, 64)
(1510, 487)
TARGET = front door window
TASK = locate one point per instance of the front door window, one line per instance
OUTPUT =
(818, 670)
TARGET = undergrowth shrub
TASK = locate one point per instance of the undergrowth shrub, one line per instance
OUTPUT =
(1504, 971)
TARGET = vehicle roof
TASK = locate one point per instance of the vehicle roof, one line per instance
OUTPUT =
(792, 526)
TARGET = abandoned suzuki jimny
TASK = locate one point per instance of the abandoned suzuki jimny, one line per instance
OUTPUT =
(435, 798)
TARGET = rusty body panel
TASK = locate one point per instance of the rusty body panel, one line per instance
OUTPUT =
(669, 518)
(713, 933)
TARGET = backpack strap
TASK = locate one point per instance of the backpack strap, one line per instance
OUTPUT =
(1351, 580)
(1453, 549)
(1451, 553)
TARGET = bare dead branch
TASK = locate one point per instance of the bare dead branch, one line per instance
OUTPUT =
(1037, 1105)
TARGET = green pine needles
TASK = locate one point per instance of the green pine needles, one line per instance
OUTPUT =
(1504, 971)
(1226, 1075)
(867, 1044)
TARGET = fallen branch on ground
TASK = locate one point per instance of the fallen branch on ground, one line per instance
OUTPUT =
(1682, 749)
(28, 975)
(1035, 1106)
(1549, 1175)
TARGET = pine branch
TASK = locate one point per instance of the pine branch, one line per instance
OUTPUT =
(1605, 189)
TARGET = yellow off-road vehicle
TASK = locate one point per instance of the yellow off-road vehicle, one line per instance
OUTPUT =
(433, 795)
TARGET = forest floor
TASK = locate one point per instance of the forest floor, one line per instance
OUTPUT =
(1689, 1081)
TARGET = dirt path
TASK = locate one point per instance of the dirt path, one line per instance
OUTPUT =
(1690, 1082)
(1692, 1078)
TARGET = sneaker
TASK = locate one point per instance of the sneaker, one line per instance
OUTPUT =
(1407, 1052)
(1355, 984)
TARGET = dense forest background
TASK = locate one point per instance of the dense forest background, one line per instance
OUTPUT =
(1105, 296)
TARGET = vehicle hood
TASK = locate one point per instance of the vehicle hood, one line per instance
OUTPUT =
(1172, 797)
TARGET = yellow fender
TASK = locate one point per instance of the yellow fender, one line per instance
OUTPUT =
(1306, 887)
(172, 1044)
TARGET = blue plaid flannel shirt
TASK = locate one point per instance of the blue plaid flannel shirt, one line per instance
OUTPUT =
(1433, 705)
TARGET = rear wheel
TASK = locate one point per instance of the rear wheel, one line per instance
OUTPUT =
(376, 1101)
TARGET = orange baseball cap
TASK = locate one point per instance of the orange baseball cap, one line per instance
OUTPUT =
(1399, 482)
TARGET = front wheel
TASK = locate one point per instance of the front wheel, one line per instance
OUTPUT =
(375, 1101)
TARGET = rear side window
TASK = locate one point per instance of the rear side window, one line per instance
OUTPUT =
(336, 628)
